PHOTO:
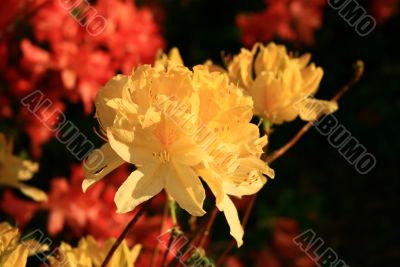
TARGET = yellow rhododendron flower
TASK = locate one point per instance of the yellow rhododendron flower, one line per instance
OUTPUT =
(14, 253)
(282, 86)
(14, 170)
(175, 125)
(90, 254)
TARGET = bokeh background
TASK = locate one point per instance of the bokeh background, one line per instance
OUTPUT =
(315, 187)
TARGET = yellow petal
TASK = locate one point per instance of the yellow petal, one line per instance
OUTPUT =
(112, 89)
(35, 247)
(34, 193)
(185, 152)
(151, 117)
(269, 58)
(232, 218)
(304, 59)
(247, 179)
(134, 146)
(100, 163)
(122, 257)
(91, 249)
(119, 104)
(240, 69)
(184, 186)
(312, 77)
(135, 251)
(213, 182)
(15, 258)
(175, 56)
(141, 185)
(286, 114)
(310, 109)
(8, 234)
(240, 190)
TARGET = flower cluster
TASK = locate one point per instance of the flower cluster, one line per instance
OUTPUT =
(281, 85)
(178, 129)
(90, 253)
(175, 125)
(14, 252)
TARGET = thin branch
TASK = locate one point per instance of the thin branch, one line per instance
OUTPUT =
(278, 153)
(157, 249)
(206, 232)
(359, 67)
(246, 217)
(248, 211)
(122, 236)
(195, 236)
(174, 231)
(172, 208)
(164, 259)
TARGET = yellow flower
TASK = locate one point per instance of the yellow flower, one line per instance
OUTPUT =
(176, 125)
(90, 254)
(13, 170)
(282, 86)
(12, 252)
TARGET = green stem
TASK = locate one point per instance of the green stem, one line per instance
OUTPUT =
(172, 209)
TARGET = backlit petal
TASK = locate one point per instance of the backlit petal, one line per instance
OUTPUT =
(310, 109)
(100, 163)
(32, 192)
(141, 185)
(112, 89)
(184, 186)
(232, 218)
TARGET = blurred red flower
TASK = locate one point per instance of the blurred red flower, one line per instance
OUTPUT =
(72, 211)
(383, 10)
(21, 210)
(282, 252)
(291, 20)
(66, 62)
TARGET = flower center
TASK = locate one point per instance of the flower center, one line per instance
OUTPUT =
(162, 156)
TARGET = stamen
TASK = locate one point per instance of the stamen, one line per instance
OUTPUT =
(101, 135)
(162, 156)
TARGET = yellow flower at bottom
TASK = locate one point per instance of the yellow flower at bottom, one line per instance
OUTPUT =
(14, 253)
(13, 170)
(90, 254)
(176, 125)
(282, 86)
